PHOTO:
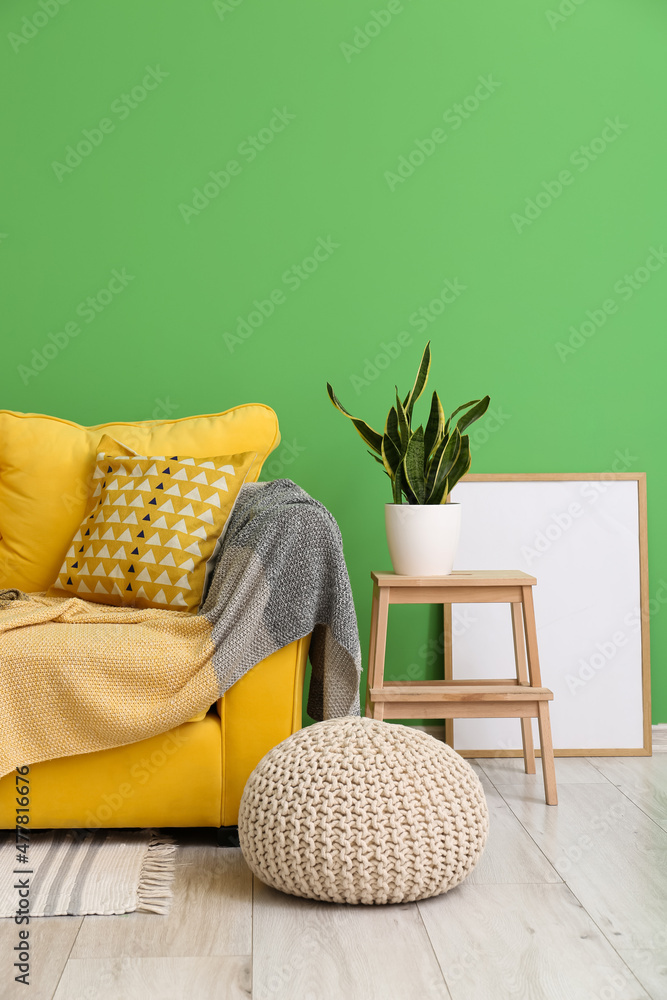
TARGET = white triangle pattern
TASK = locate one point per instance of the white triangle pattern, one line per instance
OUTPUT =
(108, 513)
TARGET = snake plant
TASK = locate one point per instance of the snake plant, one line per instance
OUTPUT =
(423, 465)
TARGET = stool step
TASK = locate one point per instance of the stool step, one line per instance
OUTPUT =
(447, 691)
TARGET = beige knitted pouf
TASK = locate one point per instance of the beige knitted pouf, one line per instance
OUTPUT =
(358, 811)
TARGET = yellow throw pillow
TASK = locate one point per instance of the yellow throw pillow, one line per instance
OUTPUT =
(46, 466)
(152, 528)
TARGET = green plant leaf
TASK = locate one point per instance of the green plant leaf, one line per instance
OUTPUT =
(435, 427)
(403, 424)
(405, 486)
(434, 466)
(391, 428)
(439, 495)
(464, 406)
(397, 486)
(448, 458)
(414, 465)
(378, 460)
(475, 413)
(462, 463)
(391, 456)
(370, 436)
(420, 381)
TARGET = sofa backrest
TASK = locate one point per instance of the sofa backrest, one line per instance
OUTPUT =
(46, 467)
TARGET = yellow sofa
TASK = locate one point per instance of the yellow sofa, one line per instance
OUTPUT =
(193, 775)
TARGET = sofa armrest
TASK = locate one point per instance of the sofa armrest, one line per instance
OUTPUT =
(261, 710)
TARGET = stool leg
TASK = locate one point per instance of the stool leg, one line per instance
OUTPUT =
(531, 637)
(522, 677)
(378, 646)
(548, 766)
(544, 724)
(371, 651)
(449, 664)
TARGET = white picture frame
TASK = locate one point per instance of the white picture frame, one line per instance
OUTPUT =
(584, 537)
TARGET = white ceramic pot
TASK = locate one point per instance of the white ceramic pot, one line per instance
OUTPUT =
(423, 538)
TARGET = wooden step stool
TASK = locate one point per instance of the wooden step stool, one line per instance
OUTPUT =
(521, 697)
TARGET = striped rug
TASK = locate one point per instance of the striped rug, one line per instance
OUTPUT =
(79, 872)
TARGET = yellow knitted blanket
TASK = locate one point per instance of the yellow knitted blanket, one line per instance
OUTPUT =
(77, 677)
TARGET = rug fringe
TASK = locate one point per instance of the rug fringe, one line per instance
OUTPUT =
(154, 893)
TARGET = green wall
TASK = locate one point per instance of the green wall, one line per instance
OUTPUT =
(514, 151)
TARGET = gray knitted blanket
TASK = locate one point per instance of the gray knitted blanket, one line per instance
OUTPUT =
(280, 575)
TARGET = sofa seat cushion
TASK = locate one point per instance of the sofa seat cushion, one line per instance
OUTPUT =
(171, 779)
(46, 468)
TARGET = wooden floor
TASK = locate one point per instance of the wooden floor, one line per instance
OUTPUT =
(567, 903)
